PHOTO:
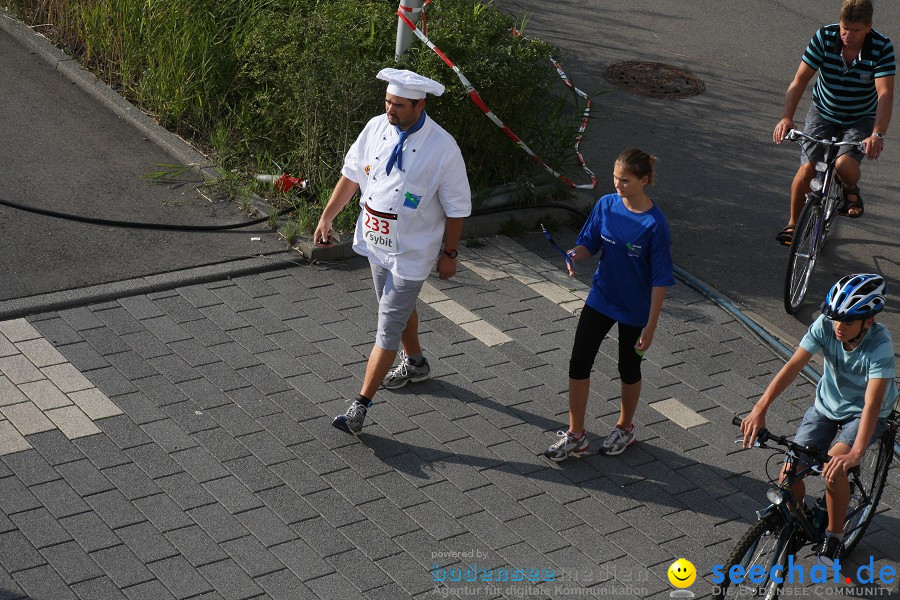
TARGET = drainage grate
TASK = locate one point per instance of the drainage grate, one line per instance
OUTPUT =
(653, 79)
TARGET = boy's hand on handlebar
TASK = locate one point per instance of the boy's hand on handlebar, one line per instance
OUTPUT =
(752, 425)
(839, 465)
(781, 129)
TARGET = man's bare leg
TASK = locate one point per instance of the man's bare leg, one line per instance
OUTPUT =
(409, 339)
(380, 361)
(850, 174)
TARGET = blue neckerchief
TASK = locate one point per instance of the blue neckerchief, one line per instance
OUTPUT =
(397, 152)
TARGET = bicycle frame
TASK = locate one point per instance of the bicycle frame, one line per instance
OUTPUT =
(828, 170)
(792, 514)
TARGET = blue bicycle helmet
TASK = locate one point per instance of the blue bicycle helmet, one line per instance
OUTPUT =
(855, 297)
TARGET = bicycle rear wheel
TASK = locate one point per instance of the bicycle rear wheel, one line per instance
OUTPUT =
(873, 472)
(767, 543)
(802, 258)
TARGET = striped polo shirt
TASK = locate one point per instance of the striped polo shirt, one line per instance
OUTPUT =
(846, 94)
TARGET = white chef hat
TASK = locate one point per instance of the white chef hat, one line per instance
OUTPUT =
(407, 84)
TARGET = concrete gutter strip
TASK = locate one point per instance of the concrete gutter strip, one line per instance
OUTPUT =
(21, 307)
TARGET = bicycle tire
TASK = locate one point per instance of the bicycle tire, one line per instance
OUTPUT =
(768, 542)
(802, 257)
(873, 476)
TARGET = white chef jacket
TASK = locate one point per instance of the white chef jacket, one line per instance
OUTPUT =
(432, 186)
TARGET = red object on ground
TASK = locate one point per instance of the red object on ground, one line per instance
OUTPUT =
(286, 182)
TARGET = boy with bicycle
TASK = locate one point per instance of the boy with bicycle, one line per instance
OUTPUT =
(852, 101)
(853, 397)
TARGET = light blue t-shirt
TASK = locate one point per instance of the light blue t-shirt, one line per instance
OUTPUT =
(635, 256)
(841, 393)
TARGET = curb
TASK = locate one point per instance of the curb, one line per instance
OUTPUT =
(30, 305)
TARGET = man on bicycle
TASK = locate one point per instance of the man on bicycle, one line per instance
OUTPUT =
(853, 397)
(852, 101)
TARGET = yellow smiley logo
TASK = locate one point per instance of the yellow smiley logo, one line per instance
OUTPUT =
(682, 573)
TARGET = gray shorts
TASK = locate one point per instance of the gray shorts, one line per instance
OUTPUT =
(817, 126)
(824, 433)
(396, 301)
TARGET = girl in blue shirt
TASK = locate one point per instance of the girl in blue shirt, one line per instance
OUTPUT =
(632, 236)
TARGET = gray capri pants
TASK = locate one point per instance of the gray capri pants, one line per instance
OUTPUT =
(817, 126)
(396, 301)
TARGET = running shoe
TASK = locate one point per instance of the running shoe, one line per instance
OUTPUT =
(405, 372)
(617, 441)
(567, 445)
(352, 421)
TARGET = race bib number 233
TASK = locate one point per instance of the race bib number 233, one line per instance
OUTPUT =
(380, 230)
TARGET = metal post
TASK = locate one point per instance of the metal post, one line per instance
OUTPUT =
(404, 33)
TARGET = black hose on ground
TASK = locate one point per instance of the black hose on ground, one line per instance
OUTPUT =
(133, 224)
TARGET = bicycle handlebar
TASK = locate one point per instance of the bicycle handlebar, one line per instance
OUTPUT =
(764, 435)
(795, 135)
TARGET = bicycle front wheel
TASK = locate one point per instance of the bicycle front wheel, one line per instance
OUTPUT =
(865, 494)
(767, 543)
(802, 258)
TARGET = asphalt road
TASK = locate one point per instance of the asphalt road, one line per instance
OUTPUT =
(723, 184)
(61, 149)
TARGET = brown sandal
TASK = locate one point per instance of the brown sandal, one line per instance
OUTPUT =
(786, 235)
(857, 207)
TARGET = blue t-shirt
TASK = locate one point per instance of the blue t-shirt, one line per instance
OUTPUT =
(841, 393)
(635, 256)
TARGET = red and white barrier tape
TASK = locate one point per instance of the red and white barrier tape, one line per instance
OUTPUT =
(476, 99)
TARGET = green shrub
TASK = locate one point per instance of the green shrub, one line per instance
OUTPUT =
(261, 83)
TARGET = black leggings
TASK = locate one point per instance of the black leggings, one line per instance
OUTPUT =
(592, 328)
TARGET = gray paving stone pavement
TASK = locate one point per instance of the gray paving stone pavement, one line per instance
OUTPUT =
(176, 443)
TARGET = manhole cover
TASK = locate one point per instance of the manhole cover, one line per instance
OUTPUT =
(653, 79)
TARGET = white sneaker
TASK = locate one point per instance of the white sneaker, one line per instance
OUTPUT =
(351, 421)
(617, 441)
(567, 445)
(405, 372)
